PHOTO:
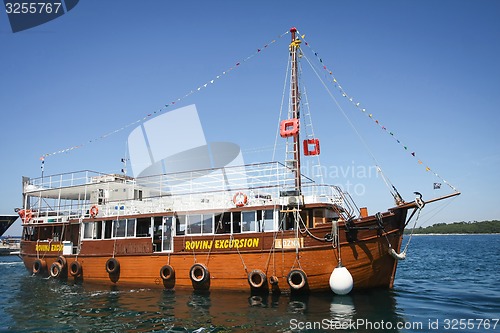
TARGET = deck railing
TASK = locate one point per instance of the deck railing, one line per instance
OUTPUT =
(69, 196)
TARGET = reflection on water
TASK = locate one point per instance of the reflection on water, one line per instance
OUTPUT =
(55, 305)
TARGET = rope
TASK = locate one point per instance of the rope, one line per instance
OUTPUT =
(358, 106)
(360, 137)
(219, 224)
(167, 105)
(231, 238)
(281, 108)
(402, 254)
(308, 122)
(297, 218)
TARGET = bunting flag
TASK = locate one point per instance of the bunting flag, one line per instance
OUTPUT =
(167, 105)
(362, 109)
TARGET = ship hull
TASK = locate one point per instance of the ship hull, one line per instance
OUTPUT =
(230, 259)
(6, 221)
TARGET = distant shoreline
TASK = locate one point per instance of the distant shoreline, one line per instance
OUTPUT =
(462, 234)
(458, 228)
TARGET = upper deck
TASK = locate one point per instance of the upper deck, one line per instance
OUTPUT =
(63, 197)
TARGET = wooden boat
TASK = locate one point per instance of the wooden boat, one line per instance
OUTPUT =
(277, 230)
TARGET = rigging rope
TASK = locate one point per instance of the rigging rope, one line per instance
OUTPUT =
(370, 115)
(402, 254)
(281, 107)
(360, 137)
(167, 105)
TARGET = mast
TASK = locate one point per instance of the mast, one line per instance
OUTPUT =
(295, 101)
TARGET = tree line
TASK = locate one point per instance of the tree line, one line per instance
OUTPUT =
(484, 227)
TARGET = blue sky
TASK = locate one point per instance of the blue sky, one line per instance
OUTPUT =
(427, 70)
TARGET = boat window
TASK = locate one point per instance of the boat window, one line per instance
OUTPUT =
(130, 227)
(331, 215)
(319, 215)
(222, 223)
(167, 233)
(124, 228)
(92, 230)
(268, 220)
(287, 221)
(138, 195)
(207, 224)
(157, 231)
(193, 224)
(236, 222)
(119, 228)
(108, 226)
(248, 221)
(180, 225)
(56, 234)
(88, 230)
(100, 197)
(98, 230)
(43, 233)
(143, 227)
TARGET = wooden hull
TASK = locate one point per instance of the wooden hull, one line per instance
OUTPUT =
(230, 259)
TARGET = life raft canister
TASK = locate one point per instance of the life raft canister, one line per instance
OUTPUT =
(240, 199)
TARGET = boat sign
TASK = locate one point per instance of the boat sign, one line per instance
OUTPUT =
(49, 247)
(288, 243)
(222, 244)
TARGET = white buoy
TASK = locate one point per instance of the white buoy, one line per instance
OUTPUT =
(341, 281)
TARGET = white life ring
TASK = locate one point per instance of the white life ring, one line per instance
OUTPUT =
(240, 199)
(94, 211)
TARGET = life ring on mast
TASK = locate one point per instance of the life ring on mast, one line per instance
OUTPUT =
(26, 215)
(240, 199)
(289, 127)
(112, 266)
(94, 211)
(75, 269)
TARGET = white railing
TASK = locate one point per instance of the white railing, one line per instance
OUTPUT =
(213, 189)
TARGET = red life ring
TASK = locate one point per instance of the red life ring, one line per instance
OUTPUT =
(240, 199)
(311, 152)
(94, 211)
(289, 127)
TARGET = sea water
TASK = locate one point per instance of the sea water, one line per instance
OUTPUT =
(447, 284)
